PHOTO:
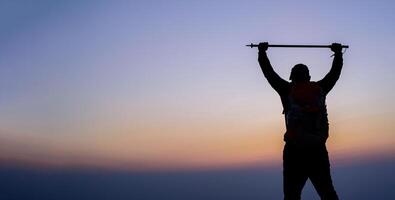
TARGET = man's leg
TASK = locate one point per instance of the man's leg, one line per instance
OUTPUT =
(294, 174)
(319, 174)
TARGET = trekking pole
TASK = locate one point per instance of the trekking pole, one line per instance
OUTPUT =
(295, 46)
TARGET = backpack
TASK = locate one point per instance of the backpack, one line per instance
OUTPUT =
(306, 114)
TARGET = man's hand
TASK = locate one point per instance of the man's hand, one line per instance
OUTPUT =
(263, 46)
(336, 48)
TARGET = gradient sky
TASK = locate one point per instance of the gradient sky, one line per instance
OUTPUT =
(170, 84)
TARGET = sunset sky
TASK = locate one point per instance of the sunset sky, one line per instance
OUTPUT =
(147, 85)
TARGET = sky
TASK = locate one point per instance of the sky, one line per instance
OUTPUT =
(153, 85)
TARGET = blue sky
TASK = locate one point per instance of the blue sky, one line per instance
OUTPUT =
(96, 79)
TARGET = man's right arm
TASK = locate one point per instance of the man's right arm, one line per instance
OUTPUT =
(273, 78)
(331, 78)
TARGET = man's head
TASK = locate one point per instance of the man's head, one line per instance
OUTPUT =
(300, 72)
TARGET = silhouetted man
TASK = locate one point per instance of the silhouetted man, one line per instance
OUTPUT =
(305, 155)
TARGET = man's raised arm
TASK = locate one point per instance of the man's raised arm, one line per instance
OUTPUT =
(274, 79)
(331, 78)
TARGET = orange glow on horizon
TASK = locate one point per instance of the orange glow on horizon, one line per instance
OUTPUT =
(229, 147)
